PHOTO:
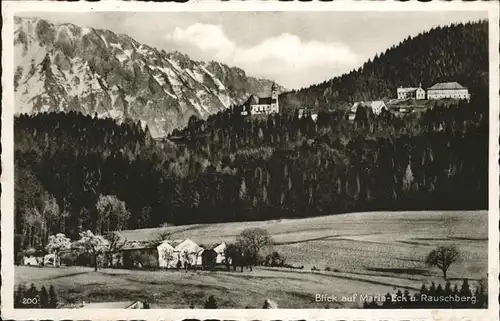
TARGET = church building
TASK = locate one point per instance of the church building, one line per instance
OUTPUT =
(258, 105)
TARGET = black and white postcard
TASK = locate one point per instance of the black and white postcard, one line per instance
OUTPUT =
(250, 160)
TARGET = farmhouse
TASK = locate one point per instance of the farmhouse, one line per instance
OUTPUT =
(411, 92)
(219, 249)
(256, 105)
(185, 251)
(32, 260)
(166, 253)
(376, 106)
(448, 90)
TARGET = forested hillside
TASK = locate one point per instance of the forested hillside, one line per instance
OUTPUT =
(452, 53)
(75, 172)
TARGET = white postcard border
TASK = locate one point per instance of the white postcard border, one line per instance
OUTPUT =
(7, 179)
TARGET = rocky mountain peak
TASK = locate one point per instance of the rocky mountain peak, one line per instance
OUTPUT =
(63, 67)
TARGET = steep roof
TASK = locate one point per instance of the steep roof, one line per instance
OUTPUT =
(140, 245)
(266, 100)
(407, 89)
(213, 245)
(377, 103)
(447, 86)
(252, 100)
(175, 243)
(369, 104)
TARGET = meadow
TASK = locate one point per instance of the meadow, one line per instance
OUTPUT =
(367, 253)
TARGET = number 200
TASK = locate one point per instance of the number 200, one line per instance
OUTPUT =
(28, 301)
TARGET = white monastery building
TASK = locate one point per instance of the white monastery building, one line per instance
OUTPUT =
(448, 90)
(411, 92)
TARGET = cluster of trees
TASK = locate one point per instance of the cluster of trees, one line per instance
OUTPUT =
(75, 173)
(430, 57)
(95, 248)
(436, 297)
(32, 298)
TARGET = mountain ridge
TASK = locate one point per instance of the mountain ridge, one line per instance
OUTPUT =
(65, 67)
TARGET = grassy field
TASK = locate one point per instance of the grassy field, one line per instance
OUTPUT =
(368, 253)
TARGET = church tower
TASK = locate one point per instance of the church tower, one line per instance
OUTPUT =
(274, 96)
(274, 91)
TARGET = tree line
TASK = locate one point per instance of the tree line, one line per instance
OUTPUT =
(435, 297)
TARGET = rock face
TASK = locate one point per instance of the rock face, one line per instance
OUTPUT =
(68, 68)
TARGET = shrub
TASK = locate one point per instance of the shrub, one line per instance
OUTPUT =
(18, 296)
(270, 304)
(275, 259)
(44, 298)
(53, 301)
(148, 261)
(69, 258)
(18, 259)
(211, 303)
(83, 259)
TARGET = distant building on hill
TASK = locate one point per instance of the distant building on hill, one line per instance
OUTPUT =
(256, 105)
(306, 112)
(411, 92)
(448, 90)
(376, 106)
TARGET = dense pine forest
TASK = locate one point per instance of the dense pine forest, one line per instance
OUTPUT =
(76, 172)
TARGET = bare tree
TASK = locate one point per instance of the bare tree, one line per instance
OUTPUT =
(442, 257)
(253, 240)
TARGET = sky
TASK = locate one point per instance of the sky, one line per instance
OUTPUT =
(296, 49)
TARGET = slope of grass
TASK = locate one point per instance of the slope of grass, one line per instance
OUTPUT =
(172, 289)
(359, 241)
(368, 253)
